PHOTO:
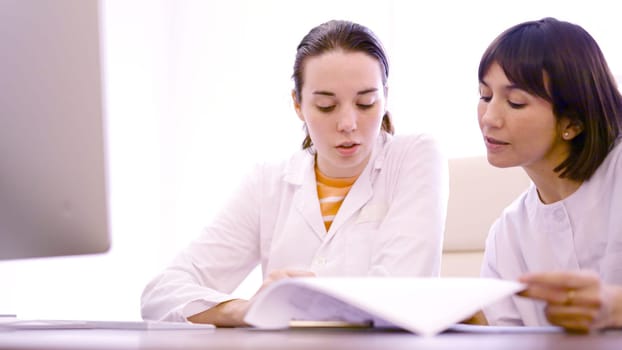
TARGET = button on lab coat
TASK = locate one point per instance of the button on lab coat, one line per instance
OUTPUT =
(391, 223)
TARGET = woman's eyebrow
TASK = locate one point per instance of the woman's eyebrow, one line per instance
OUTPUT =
(366, 91)
(328, 93)
(323, 93)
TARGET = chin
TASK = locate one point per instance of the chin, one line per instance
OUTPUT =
(499, 162)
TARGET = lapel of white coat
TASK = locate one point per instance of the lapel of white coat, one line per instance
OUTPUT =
(360, 193)
(362, 190)
(305, 201)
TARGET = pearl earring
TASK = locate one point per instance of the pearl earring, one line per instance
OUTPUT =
(566, 134)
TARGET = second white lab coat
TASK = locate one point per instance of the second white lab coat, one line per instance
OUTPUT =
(580, 232)
(391, 223)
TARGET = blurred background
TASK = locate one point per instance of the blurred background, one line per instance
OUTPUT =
(198, 91)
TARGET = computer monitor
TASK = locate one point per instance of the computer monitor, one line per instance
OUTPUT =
(53, 169)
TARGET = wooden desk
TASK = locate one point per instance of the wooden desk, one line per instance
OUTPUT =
(312, 339)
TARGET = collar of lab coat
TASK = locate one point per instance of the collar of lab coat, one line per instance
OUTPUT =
(300, 173)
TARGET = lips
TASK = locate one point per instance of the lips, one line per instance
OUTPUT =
(348, 149)
(494, 141)
(347, 145)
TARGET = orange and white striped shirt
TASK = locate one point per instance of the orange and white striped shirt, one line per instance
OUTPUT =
(331, 192)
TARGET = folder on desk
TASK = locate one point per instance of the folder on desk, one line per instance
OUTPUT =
(425, 306)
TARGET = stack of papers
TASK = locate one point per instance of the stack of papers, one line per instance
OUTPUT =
(424, 306)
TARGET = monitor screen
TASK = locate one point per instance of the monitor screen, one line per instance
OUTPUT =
(53, 183)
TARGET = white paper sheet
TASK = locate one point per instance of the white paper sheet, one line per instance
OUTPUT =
(425, 306)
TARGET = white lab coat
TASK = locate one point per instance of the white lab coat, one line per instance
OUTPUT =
(580, 232)
(391, 223)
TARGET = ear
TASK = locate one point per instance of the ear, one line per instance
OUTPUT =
(297, 106)
(570, 128)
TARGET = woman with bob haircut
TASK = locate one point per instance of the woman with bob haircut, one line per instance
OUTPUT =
(549, 104)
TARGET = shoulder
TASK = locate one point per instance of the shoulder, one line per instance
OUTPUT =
(616, 151)
(412, 141)
(613, 161)
(414, 161)
(604, 182)
(418, 147)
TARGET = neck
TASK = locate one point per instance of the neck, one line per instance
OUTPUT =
(552, 188)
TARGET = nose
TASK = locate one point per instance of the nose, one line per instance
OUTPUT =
(347, 120)
(490, 114)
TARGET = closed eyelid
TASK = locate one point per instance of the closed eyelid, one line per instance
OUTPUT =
(322, 100)
(367, 100)
(326, 109)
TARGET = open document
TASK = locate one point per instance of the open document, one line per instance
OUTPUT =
(425, 306)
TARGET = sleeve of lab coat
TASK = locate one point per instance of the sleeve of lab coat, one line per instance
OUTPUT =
(212, 266)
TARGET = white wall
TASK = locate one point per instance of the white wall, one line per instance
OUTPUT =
(198, 91)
